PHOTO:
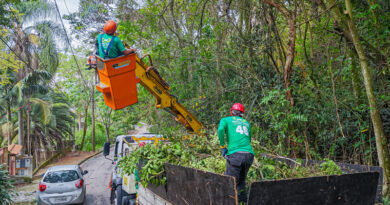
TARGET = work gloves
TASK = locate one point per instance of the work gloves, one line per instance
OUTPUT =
(224, 152)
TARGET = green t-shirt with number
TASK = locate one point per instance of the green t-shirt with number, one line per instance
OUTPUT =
(116, 48)
(238, 134)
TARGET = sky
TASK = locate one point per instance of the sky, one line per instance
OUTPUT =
(73, 6)
(66, 7)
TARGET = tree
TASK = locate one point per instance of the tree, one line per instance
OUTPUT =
(290, 16)
(380, 138)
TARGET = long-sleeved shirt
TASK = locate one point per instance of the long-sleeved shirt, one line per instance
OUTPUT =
(238, 134)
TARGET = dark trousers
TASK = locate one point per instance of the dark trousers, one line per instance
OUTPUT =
(237, 166)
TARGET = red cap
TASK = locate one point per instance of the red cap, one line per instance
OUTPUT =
(237, 106)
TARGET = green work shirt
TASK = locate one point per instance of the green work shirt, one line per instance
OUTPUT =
(238, 134)
(116, 48)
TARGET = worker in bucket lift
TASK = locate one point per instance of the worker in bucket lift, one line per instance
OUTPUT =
(238, 150)
(110, 46)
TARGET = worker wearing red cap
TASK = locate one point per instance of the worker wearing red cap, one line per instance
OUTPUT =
(109, 45)
(238, 151)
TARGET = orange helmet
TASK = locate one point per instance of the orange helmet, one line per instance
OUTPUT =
(110, 27)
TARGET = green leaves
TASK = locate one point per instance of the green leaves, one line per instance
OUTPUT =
(329, 167)
(6, 187)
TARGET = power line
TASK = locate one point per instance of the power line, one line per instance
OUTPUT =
(71, 48)
(66, 7)
(9, 47)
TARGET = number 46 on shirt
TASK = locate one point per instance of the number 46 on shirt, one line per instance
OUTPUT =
(242, 130)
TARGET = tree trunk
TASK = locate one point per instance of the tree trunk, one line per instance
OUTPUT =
(357, 92)
(79, 122)
(290, 56)
(21, 130)
(93, 120)
(290, 16)
(37, 153)
(9, 123)
(28, 131)
(380, 138)
(85, 127)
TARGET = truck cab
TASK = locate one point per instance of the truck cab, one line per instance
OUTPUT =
(123, 189)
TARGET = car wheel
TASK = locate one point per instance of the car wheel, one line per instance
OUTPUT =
(118, 195)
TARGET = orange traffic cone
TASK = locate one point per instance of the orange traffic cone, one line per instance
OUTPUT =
(109, 183)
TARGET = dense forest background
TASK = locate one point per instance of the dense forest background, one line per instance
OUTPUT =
(314, 76)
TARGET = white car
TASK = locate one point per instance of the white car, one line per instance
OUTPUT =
(62, 184)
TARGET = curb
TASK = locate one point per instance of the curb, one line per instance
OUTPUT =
(89, 157)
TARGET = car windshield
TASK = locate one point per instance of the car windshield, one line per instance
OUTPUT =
(61, 176)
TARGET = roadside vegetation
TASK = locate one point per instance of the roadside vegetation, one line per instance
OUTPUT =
(314, 77)
(6, 187)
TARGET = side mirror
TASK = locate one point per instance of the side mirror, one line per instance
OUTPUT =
(42, 175)
(85, 172)
(106, 148)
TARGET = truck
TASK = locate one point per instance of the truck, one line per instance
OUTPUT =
(122, 186)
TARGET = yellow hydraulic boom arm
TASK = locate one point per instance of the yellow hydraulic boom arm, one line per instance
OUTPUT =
(158, 87)
(117, 81)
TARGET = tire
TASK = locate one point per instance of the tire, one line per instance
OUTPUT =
(118, 195)
(112, 196)
(132, 202)
(126, 200)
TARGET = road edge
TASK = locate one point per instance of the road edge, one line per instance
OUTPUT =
(93, 155)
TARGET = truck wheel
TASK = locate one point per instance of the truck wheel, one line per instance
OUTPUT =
(118, 195)
(112, 196)
(126, 200)
(132, 202)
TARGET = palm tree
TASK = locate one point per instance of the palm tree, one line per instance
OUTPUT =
(7, 99)
(52, 122)
(32, 84)
(49, 119)
(33, 41)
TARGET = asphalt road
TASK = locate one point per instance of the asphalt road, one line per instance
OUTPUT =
(99, 171)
